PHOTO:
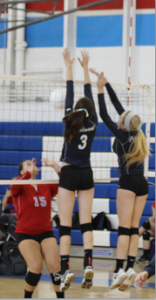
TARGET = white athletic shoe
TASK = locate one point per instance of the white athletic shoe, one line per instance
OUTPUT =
(118, 278)
(88, 276)
(126, 284)
(66, 279)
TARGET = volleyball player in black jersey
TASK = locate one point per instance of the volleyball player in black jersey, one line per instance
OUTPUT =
(76, 173)
(131, 148)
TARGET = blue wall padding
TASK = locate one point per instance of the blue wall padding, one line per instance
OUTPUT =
(45, 34)
(50, 129)
(152, 161)
(151, 179)
(15, 157)
(3, 36)
(76, 206)
(107, 190)
(101, 144)
(76, 236)
(152, 131)
(114, 173)
(31, 143)
(99, 31)
(32, 128)
(113, 239)
(34, 143)
(7, 172)
(152, 145)
(3, 189)
(146, 212)
(145, 30)
(102, 130)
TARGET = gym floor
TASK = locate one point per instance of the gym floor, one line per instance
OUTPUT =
(13, 287)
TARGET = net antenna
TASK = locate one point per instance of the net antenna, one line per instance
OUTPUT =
(130, 47)
(151, 116)
(51, 16)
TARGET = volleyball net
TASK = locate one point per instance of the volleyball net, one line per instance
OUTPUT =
(31, 112)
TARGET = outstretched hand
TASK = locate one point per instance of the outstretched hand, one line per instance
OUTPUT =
(32, 168)
(85, 59)
(141, 279)
(48, 162)
(101, 81)
(66, 55)
(51, 163)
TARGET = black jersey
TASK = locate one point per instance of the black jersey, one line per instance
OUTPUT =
(123, 139)
(78, 152)
(150, 269)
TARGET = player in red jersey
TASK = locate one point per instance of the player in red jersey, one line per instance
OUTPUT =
(35, 237)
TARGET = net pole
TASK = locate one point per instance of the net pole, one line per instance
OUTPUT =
(130, 48)
(148, 129)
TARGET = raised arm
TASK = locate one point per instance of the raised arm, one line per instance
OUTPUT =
(113, 97)
(52, 163)
(15, 189)
(69, 78)
(87, 83)
(120, 134)
(30, 171)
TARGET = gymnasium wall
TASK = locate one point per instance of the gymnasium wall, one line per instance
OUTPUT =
(100, 31)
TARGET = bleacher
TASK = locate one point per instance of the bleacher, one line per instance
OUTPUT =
(42, 139)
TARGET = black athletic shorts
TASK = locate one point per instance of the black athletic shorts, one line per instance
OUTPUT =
(76, 179)
(135, 183)
(38, 237)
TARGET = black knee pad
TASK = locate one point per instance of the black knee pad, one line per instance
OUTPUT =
(134, 230)
(146, 225)
(56, 278)
(146, 236)
(85, 227)
(64, 230)
(32, 278)
(123, 231)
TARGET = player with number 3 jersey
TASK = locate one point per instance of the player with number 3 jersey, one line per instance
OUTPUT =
(34, 234)
(76, 173)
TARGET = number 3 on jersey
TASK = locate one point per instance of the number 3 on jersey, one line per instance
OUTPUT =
(40, 202)
(83, 139)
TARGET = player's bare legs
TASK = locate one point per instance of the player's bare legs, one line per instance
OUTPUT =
(137, 213)
(31, 251)
(134, 241)
(51, 257)
(66, 200)
(85, 200)
(125, 207)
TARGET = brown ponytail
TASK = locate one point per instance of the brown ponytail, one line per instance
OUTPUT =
(139, 148)
(76, 120)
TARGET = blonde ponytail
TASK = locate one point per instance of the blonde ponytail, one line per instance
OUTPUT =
(139, 148)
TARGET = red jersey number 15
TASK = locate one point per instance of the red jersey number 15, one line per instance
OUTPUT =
(40, 201)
